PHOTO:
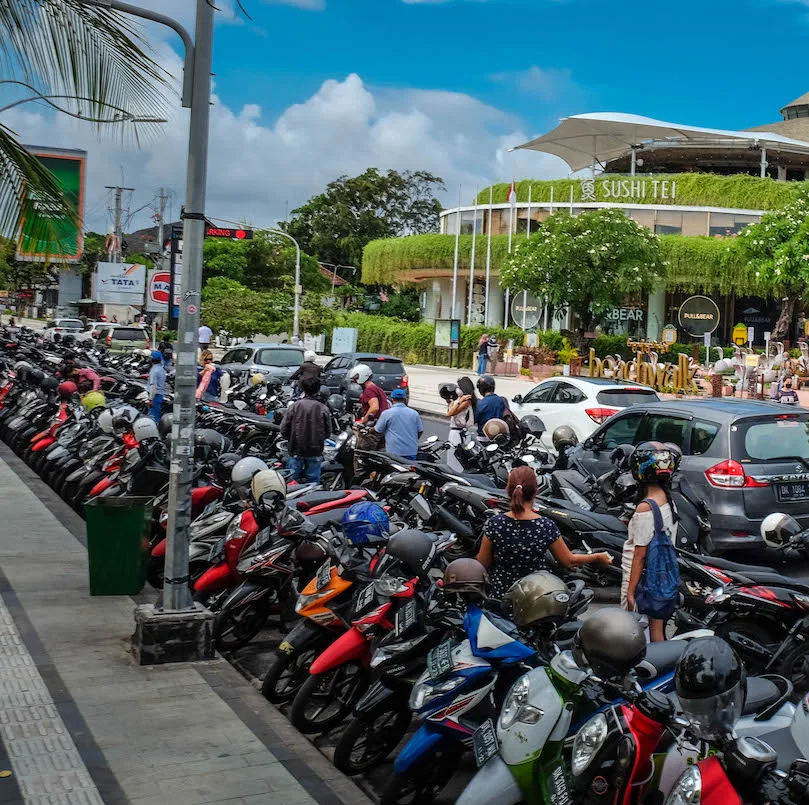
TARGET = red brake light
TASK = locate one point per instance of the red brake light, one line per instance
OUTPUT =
(405, 382)
(730, 474)
(600, 415)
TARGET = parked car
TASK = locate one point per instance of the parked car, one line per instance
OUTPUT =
(584, 403)
(745, 459)
(123, 337)
(274, 360)
(62, 326)
(389, 372)
(91, 330)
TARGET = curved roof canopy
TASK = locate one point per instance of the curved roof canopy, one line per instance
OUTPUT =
(595, 139)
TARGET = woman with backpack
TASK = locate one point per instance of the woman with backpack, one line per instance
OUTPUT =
(652, 590)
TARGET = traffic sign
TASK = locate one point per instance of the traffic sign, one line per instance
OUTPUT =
(233, 234)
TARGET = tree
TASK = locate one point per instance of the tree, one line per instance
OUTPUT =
(336, 225)
(403, 304)
(586, 263)
(224, 258)
(91, 57)
(778, 250)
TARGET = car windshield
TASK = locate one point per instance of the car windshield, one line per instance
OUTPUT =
(776, 438)
(128, 334)
(70, 325)
(279, 357)
(624, 398)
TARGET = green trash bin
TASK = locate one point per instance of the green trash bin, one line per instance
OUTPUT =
(118, 532)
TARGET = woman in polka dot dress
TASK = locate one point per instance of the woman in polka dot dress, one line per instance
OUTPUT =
(515, 544)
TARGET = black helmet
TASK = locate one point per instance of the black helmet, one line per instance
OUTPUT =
(532, 425)
(68, 338)
(49, 384)
(413, 549)
(336, 403)
(223, 467)
(34, 377)
(654, 462)
(209, 443)
(711, 686)
(611, 642)
(446, 391)
(486, 384)
(621, 455)
(466, 576)
(563, 437)
(625, 488)
(164, 425)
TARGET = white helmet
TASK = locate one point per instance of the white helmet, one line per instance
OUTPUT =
(145, 428)
(147, 353)
(268, 482)
(309, 355)
(360, 373)
(21, 365)
(105, 420)
(244, 470)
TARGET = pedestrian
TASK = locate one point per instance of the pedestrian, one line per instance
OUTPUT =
(204, 336)
(653, 464)
(166, 349)
(516, 543)
(77, 373)
(156, 386)
(483, 354)
(461, 413)
(493, 350)
(307, 369)
(786, 394)
(306, 426)
(208, 378)
(490, 406)
(12, 322)
(401, 426)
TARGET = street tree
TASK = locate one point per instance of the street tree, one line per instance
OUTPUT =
(336, 225)
(224, 258)
(777, 249)
(93, 59)
(585, 263)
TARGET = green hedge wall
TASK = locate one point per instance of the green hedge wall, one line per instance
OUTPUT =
(693, 189)
(616, 345)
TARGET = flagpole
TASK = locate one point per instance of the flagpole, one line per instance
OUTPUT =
(472, 260)
(528, 220)
(488, 256)
(513, 200)
(455, 262)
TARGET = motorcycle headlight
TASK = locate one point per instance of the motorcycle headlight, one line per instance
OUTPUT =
(424, 691)
(717, 596)
(390, 586)
(589, 739)
(688, 789)
(386, 652)
(305, 600)
(516, 707)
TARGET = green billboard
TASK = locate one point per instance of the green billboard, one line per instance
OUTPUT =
(64, 241)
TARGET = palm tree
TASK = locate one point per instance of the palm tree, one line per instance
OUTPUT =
(66, 48)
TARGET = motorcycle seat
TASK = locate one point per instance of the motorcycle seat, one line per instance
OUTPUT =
(661, 658)
(761, 693)
(777, 580)
(321, 496)
(479, 479)
(726, 564)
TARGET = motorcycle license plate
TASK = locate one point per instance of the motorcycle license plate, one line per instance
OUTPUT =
(439, 660)
(323, 575)
(364, 599)
(484, 742)
(405, 617)
(798, 491)
(216, 550)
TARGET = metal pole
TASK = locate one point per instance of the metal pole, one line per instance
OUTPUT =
(763, 162)
(488, 258)
(507, 300)
(296, 316)
(528, 219)
(524, 305)
(118, 239)
(634, 163)
(176, 595)
(472, 260)
(455, 260)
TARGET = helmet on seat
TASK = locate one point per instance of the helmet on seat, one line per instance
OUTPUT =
(208, 443)
(268, 488)
(164, 425)
(144, 429)
(563, 437)
(67, 389)
(223, 467)
(778, 529)
(365, 523)
(34, 377)
(496, 430)
(413, 550)
(49, 384)
(466, 576)
(258, 379)
(711, 686)
(536, 597)
(360, 374)
(336, 403)
(611, 642)
(93, 400)
(654, 462)
(532, 425)
(244, 470)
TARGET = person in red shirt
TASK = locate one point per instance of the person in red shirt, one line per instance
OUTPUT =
(373, 400)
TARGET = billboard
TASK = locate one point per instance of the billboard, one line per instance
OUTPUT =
(120, 283)
(157, 291)
(68, 166)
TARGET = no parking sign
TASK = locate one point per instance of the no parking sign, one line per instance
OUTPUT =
(157, 291)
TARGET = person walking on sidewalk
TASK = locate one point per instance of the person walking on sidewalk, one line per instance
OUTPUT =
(493, 350)
(306, 426)
(401, 426)
(483, 354)
(461, 413)
(156, 387)
(204, 336)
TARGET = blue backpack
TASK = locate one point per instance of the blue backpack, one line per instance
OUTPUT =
(657, 593)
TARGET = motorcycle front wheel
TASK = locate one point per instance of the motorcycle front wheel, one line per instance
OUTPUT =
(795, 667)
(234, 628)
(324, 700)
(368, 740)
(424, 781)
(286, 674)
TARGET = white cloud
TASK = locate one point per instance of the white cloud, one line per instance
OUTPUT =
(256, 168)
(549, 84)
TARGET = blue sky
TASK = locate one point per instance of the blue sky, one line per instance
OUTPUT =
(312, 89)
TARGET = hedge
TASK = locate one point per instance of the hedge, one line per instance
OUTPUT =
(694, 263)
(693, 189)
(616, 345)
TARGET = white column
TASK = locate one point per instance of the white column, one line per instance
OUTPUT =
(655, 313)
(495, 313)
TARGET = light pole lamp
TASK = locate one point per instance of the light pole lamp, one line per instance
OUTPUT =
(334, 272)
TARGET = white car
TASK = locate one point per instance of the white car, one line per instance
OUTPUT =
(91, 330)
(584, 403)
(63, 327)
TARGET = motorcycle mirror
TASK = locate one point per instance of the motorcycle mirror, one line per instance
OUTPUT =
(517, 398)
(491, 448)
(273, 398)
(528, 458)
(431, 440)
(263, 395)
(470, 445)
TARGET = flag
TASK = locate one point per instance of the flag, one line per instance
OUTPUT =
(512, 193)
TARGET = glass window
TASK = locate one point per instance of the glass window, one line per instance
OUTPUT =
(663, 428)
(695, 223)
(450, 223)
(625, 398)
(128, 334)
(702, 436)
(336, 363)
(643, 217)
(669, 222)
(541, 393)
(621, 430)
(468, 220)
(565, 393)
(237, 356)
(772, 439)
(279, 357)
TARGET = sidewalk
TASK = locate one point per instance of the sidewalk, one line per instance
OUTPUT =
(81, 724)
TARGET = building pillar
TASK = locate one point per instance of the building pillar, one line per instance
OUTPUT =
(655, 314)
(496, 311)
(782, 173)
(432, 293)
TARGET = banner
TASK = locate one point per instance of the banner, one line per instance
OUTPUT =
(157, 290)
(120, 283)
(68, 168)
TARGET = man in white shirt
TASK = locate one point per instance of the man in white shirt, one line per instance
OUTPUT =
(204, 336)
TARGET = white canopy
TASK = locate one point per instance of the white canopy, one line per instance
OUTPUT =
(584, 140)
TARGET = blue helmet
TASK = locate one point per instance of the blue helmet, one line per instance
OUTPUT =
(365, 523)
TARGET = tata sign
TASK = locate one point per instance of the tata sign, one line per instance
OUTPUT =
(698, 315)
(157, 291)
(120, 283)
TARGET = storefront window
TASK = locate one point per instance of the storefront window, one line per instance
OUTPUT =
(695, 223)
(726, 225)
(669, 222)
(643, 217)
(468, 220)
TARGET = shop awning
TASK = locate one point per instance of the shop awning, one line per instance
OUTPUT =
(594, 139)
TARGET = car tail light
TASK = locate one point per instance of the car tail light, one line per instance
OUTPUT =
(109, 340)
(405, 382)
(730, 474)
(600, 415)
